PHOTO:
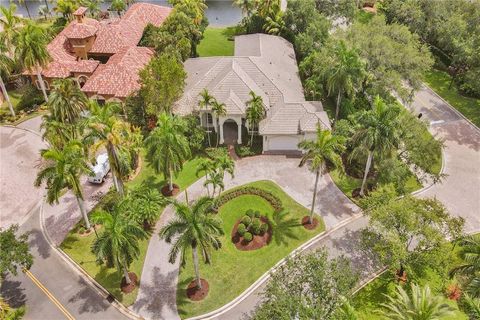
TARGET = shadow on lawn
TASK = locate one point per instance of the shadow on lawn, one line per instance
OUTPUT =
(182, 299)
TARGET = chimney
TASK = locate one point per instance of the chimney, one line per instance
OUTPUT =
(80, 14)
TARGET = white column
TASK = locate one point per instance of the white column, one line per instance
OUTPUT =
(221, 132)
(239, 138)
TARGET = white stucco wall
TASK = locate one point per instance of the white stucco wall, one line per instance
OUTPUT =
(284, 142)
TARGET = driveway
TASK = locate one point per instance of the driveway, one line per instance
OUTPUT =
(21, 203)
(20, 156)
(157, 294)
(460, 190)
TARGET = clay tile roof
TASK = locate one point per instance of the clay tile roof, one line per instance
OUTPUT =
(80, 11)
(113, 36)
(119, 77)
(77, 30)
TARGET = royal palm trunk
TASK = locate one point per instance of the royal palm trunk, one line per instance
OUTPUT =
(81, 205)
(367, 170)
(195, 265)
(337, 109)
(5, 94)
(310, 218)
(42, 84)
(126, 275)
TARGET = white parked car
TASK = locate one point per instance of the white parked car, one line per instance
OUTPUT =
(101, 169)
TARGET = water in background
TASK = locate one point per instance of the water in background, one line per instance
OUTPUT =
(219, 12)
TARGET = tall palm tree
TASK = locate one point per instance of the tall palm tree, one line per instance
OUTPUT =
(93, 7)
(106, 130)
(204, 103)
(206, 166)
(255, 112)
(247, 6)
(216, 180)
(345, 74)
(58, 133)
(470, 267)
(24, 3)
(119, 6)
(66, 101)
(118, 243)
(66, 8)
(194, 8)
(10, 26)
(44, 11)
(224, 164)
(167, 146)
(377, 132)
(63, 170)
(193, 227)
(218, 109)
(6, 63)
(31, 51)
(324, 151)
(420, 304)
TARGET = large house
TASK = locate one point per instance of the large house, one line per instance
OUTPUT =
(267, 66)
(103, 56)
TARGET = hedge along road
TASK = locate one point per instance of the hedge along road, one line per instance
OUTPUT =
(157, 295)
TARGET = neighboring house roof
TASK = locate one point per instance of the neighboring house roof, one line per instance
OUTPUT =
(119, 76)
(117, 37)
(127, 31)
(264, 64)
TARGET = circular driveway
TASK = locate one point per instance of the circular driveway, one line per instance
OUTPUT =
(19, 159)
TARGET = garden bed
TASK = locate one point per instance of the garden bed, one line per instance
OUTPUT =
(232, 271)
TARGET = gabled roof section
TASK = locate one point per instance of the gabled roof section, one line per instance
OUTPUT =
(119, 77)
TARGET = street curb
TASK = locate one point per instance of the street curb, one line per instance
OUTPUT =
(82, 273)
(260, 281)
(451, 107)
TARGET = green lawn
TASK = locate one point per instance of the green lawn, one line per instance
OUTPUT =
(439, 81)
(215, 43)
(15, 96)
(78, 247)
(232, 271)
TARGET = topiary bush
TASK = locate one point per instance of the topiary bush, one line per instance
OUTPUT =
(241, 229)
(248, 236)
(255, 227)
(263, 228)
(250, 213)
(246, 220)
(257, 214)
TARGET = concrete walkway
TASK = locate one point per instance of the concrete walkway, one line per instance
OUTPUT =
(157, 294)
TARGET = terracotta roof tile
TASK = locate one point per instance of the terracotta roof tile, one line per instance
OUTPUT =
(119, 77)
(80, 11)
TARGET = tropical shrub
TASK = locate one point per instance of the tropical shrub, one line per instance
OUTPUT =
(246, 220)
(274, 201)
(248, 236)
(31, 99)
(241, 229)
(250, 213)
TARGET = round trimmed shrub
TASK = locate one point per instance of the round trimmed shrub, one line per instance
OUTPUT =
(256, 224)
(246, 220)
(250, 213)
(257, 214)
(264, 228)
(248, 236)
(241, 229)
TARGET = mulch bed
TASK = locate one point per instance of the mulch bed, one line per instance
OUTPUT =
(167, 193)
(127, 288)
(195, 294)
(257, 241)
(307, 225)
(90, 231)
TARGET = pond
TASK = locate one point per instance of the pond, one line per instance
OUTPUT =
(219, 13)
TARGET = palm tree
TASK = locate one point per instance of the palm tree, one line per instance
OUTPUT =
(58, 133)
(31, 51)
(193, 227)
(204, 103)
(167, 146)
(119, 6)
(255, 112)
(43, 11)
(145, 205)
(106, 130)
(66, 101)
(6, 64)
(218, 109)
(10, 25)
(206, 166)
(324, 151)
(472, 306)
(118, 243)
(63, 170)
(420, 304)
(274, 23)
(377, 132)
(470, 268)
(247, 6)
(93, 7)
(216, 180)
(345, 74)
(66, 8)
(24, 2)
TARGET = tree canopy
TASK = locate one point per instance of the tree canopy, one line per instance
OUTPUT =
(14, 251)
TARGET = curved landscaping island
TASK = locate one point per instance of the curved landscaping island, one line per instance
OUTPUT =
(232, 269)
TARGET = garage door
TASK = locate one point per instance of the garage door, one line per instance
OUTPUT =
(283, 143)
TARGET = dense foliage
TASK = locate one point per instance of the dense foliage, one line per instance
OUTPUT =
(14, 251)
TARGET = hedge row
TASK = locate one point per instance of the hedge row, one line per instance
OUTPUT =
(274, 201)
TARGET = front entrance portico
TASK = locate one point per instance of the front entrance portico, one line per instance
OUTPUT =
(230, 130)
